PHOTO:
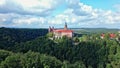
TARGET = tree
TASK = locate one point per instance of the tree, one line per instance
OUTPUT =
(12, 61)
(31, 60)
(76, 39)
(79, 64)
(50, 62)
(4, 54)
(50, 34)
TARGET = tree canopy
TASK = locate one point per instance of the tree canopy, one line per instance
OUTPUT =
(42, 52)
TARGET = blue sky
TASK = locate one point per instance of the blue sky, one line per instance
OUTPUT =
(45, 13)
(102, 4)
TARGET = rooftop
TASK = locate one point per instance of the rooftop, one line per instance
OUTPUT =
(62, 30)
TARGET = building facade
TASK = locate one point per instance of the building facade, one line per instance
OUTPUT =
(59, 33)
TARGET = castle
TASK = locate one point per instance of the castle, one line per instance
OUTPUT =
(59, 33)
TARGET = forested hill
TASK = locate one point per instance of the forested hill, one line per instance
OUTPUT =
(22, 48)
(21, 34)
(10, 36)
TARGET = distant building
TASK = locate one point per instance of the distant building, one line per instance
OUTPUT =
(112, 35)
(59, 33)
(102, 36)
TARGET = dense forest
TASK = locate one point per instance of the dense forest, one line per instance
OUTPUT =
(11, 36)
(32, 48)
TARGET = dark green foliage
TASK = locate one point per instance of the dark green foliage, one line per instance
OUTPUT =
(11, 36)
(12, 61)
(30, 60)
(92, 54)
(31, 51)
(4, 54)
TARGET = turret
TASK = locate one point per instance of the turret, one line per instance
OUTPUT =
(49, 29)
(65, 27)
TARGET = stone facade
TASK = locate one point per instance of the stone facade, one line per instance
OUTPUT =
(59, 33)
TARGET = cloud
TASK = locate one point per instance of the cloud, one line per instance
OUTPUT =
(2, 2)
(117, 7)
(29, 20)
(38, 13)
(29, 7)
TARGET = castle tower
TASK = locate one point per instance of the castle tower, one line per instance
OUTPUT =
(65, 27)
(49, 29)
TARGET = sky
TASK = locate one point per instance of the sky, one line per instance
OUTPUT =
(45, 13)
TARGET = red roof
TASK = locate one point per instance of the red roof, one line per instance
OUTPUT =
(62, 30)
(112, 35)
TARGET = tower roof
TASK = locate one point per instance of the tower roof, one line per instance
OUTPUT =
(65, 27)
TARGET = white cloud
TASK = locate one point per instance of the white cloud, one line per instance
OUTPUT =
(117, 7)
(38, 13)
(42, 4)
(29, 7)
(5, 18)
(29, 21)
(2, 2)
(37, 6)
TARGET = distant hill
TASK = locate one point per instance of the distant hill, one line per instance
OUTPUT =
(94, 30)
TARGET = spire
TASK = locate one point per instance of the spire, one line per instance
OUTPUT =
(49, 29)
(65, 27)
